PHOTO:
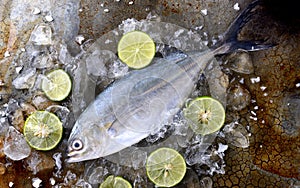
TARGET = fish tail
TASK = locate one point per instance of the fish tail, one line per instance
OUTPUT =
(230, 42)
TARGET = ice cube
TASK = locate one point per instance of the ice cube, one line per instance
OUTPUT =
(97, 175)
(26, 79)
(206, 182)
(33, 161)
(4, 126)
(49, 18)
(117, 69)
(138, 159)
(255, 80)
(58, 163)
(157, 134)
(69, 177)
(238, 97)
(65, 57)
(10, 184)
(83, 184)
(218, 82)
(18, 69)
(128, 25)
(42, 61)
(240, 62)
(153, 16)
(236, 6)
(83, 89)
(214, 160)
(62, 112)
(79, 39)
(97, 61)
(236, 135)
(140, 181)
(204, 11)
(195, 153)
(36, 182)
(52, 181)
(41, 35)
(36, 11)
(39, 161)
(7, 54)
(41, 102)
(222, 148)
(15, 145)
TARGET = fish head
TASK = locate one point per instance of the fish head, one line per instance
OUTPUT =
(84, 142)
(89, 140)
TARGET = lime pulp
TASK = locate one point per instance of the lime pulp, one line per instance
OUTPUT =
(43, 130)
(165, 167)
(136, 49)
(57, 85)
(205, 115)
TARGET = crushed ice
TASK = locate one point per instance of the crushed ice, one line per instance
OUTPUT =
(15, 145)
(236, 135)
(36, 182)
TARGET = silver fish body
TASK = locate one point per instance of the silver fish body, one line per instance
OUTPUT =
(135, 106)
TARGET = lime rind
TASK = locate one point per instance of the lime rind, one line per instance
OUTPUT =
(202, 105)
(165, 167)
(57, 85)
(121, 182)
(136, 49)
(108, 182)
(52, 127)
(115, 182)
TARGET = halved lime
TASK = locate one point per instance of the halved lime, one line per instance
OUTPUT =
(165, 167)
(43, 130)
(136, 49)
(57, 85)
(115, 182)
(205, 115)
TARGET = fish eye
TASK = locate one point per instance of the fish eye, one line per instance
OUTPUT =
(77, 144)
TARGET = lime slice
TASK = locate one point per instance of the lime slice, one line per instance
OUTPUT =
(136, 49)
(43, 130)
(165, 167)
(205, 115)
(115, 182)
(57, 85)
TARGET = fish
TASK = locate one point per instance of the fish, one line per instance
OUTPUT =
(142, 101)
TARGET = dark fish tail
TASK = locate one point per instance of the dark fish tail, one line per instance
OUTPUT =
(230, 42)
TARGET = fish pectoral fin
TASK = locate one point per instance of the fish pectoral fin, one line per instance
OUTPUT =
(111, 131)
(108, 125)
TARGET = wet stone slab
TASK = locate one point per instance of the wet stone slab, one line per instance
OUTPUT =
(263, 145)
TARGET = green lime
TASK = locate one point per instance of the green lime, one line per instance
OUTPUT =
(205, 115)
(165, 167)
(115, 182)
(43, 130)
(136, 49)
(57, 85)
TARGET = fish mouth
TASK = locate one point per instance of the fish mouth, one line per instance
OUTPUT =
(72, 160)
(72, 157)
